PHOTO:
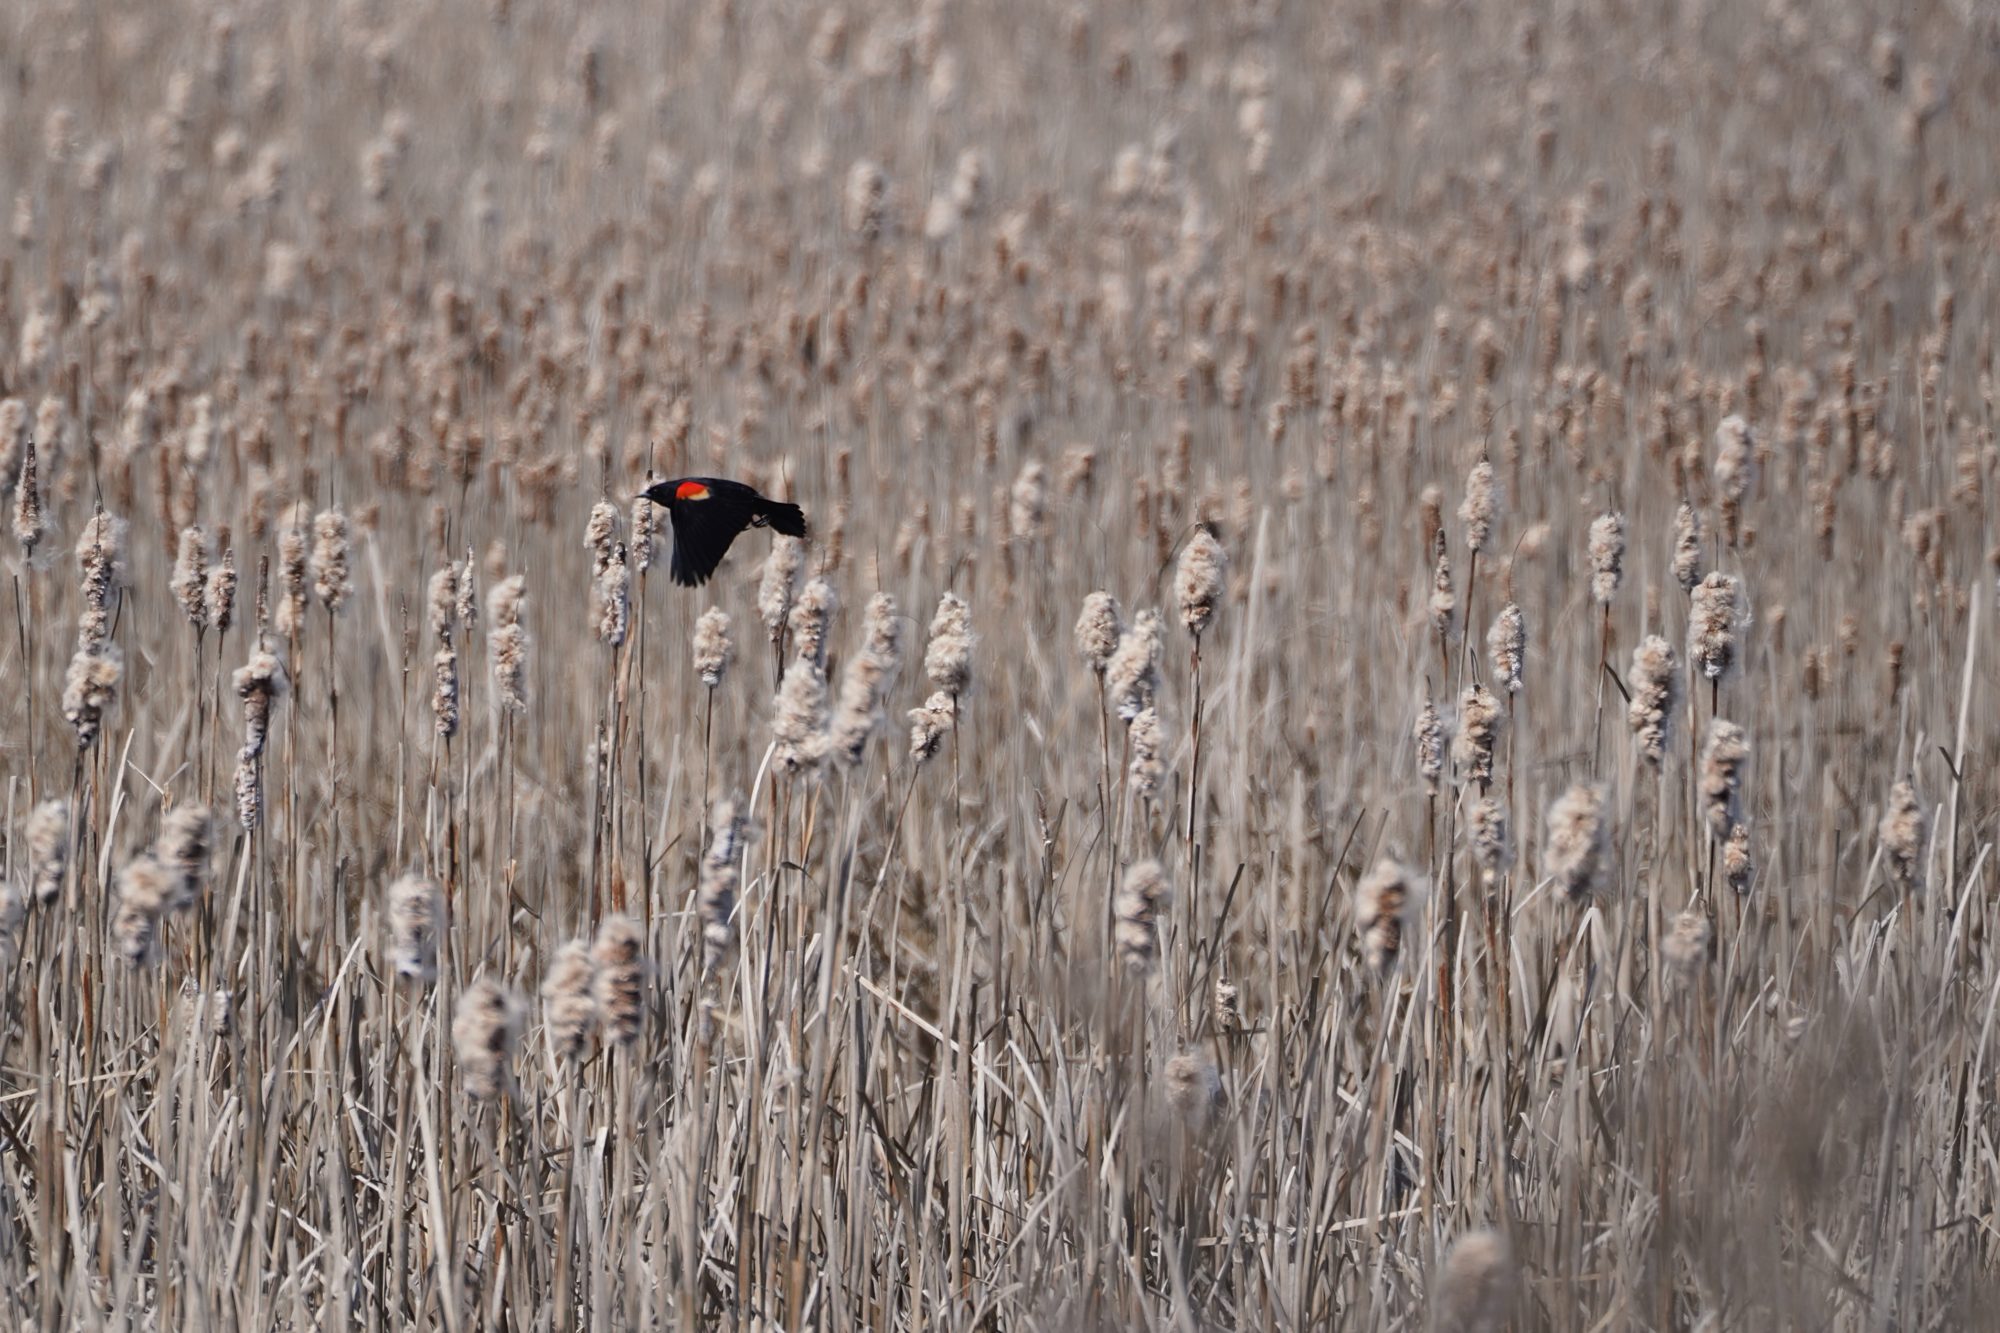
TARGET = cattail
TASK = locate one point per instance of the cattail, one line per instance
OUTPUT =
(620, 988)
(13, 915)
(1723, 757)
(1430, 736)
(1480, 511)
(865, 200)
(483, 1035)
(929, 725)
(799, 723)
(1227, 1006)
(865, 681)
(1607, 556)
(568, 1007)
(508, 645)
(775, 587)
(145, 890)
(1194, 1090)
(444, 692)
(1689, 944)
(288, 617)
(613, 594)
(468, 594)
(441, 605)
(1028, 501)
(189, 581)
(601, 536)
(48, 849)
(90, 689)
(1133, 675)
(186, 833)
(1097, 631)
(1198, 580)
(1443, 600)
(1904, 831)
(812, 619)
(1475, 1286)
(28, 501)
(1687, 546)
(1385, 901)
(222, 592)
(1149, 764)
(1479, 722)
(1713, 615)
(715, 894)
(248, 786)
(948, 658)
(331, 581)
(416, 925)
(1655, 697)
(1735, 470)
(1134, 911)
(1738, 866)
(1492, 836)
(645, 544)
(1507, 645)
(712, 649)
(258, 683)
(1578, 851)
(100, 558)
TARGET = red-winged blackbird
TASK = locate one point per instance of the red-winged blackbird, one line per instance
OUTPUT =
(708, 512)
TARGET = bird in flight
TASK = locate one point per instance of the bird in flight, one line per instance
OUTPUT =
(708, 512)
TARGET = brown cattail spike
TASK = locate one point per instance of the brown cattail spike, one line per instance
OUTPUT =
(484, 1033)
(1386, 901)
(1135, 909)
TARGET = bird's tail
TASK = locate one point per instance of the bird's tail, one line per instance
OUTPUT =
(783, 517)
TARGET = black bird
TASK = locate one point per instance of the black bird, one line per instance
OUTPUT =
(708, 512)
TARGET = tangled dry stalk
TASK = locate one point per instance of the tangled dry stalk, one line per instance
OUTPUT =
(1439, 568)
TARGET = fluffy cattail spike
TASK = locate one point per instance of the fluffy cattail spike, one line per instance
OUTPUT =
(1386, 901)
(1198, 582)
(416, 926)
(1142, 896)
(484, 1033)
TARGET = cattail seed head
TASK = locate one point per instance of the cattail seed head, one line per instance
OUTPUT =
(332, 583)
(416, 925)
(48, 849)
(1735, 471)
(1904, 831)
(1227, 1008)
(1739, 867)
(1135, 908)
(1479, 722)
(866, 679)
(779, 579)
(467, 587)
(100, 558)
(948, 658)
(1475, 1285)
(1133, 676)
(1492, 836)
(1430, 737)
(444, 692)
(1688, 945)
(508, 645)
(1385, 902)
(90, 689)
(1027, 502)
(1097, 631)
(288, 617)
(1485, 497)
(1687, 546)
(1443, 600)
(622, 969)
(715, 895)
(812, 620)
(1507, 646)
(1194, 1090)
(222, 592)
(1149, 764)
(799, 724)
(929, 724)
(568, 1007)
(441, 603)
(145, 890)
(1715, 612)
(28, 501)
(645, 543)
(259, 683)
(1198, 582)
(713, 650)
(484, 1033)
(1578, 851)
(13, 915)
(1723, 756)
(600, 535)
(612, 593)
(189, 582)
(1607, 556)
(186, 834)
(248, 786)
(1655, 697)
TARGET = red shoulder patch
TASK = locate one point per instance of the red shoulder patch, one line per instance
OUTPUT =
(690, 490)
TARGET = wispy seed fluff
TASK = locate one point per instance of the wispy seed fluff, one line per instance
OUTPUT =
(1027, 502)
(441, 603)
(13, 915)
(90, 689)
(189, 582)
(1492, 836)
(1713, 615)
(1607, 556)
(145, 889)
(1097, 631)
(713, 650)
(812, 619)
(508, 645)
(1194, 1090)
(290, 613)
(222, 592)
(1656, 692)
(866, 679)
(28, 502)
(1198, 581)
(484, 1033)
(1135, 909)
(622, 968)
(780, 577)
(1133, 676)
(1739, 867)
(332, 583)
(645, 543)
(948, 658)
(1430, 736)
(1443, 600)
(100, 558)
(715, 894)
(248, 786)
(259, 683)
(568, 1008)
(1578, 851)
(799, 721)
(1149, 762)
(1687, 546)
(186, 833)
(1475, 1285)
(416, 924)
(1507, 646)
(1480, 511)
(1385, 901)
(613, 595)
(1723, 756)
(601, 536)
(468, 593)
(1904, 830)
(1479, 722)
(444, 692)
(929, 724)
(48, 849)
(1735, 470)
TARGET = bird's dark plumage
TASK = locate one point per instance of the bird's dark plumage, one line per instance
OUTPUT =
(708, 512)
